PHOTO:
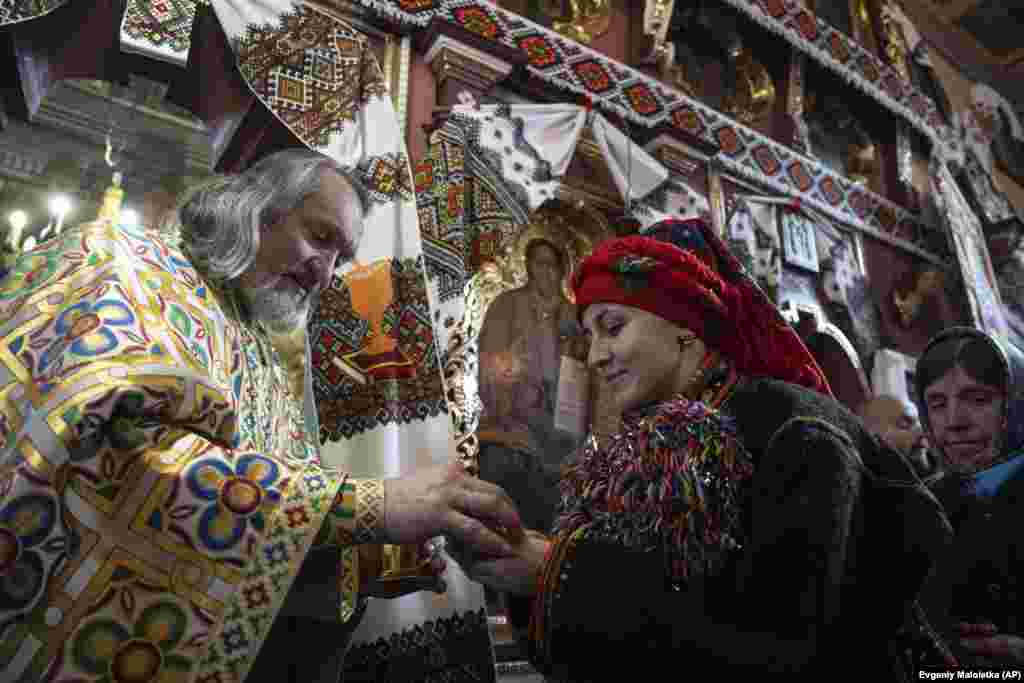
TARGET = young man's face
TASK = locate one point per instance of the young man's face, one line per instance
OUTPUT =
(966, 420)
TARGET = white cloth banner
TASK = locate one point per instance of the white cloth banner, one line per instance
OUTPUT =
(336, 70)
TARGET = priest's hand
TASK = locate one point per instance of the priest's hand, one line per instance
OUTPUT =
(444, 500)
(517, 574)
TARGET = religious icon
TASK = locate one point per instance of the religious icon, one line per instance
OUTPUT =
(534, 390)
(798, 241)
(520, 354)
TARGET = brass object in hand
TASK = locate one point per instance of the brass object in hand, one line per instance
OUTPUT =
(400, 560)
(404, 570)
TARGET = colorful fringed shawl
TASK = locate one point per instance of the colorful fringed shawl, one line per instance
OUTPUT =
(669, 480)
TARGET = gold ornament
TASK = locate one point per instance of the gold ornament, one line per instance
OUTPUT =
(110, 209)
(861, 162)
(585, 20)
(754, 95)
(895, 43)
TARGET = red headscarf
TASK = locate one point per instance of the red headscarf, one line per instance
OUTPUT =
(681, 271)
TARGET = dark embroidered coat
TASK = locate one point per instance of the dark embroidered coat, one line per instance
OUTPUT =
(823, 579)
(980, 576)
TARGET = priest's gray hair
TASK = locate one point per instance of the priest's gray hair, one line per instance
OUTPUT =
(220, 220)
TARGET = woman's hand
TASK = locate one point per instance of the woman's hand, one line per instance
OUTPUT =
(516, 574)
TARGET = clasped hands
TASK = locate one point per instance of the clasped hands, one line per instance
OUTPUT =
(479, 521)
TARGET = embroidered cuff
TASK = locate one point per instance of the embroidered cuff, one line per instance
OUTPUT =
(369, 511)
(553, 577)
(357, 514)
(356, 523)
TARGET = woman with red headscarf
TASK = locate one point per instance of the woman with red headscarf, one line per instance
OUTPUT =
(719, 526)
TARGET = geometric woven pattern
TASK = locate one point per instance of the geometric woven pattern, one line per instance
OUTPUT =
(146, 496)
(163, 24)
(632, 93)
(318, 84)
(369, 510)
(571, 67)
(12, 11)
(408, 386)
(432, 651)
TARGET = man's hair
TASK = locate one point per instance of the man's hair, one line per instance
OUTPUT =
(220, 220)
(975, 355)
(536, 243)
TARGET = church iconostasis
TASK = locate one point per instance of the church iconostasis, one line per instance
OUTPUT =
(824, 278)
(846, 131)
(717, 55)
(814, 270)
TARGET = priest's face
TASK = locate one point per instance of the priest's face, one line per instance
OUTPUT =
(966, 420)
(299, 252)
(642, 357)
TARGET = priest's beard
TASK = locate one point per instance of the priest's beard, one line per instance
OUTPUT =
(282, 311)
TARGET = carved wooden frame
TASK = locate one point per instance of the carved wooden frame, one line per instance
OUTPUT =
(796, 313)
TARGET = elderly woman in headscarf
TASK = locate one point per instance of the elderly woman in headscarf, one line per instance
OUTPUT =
(969, 387)
(719, 527)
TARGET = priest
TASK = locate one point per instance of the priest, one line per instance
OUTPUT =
(160, 481)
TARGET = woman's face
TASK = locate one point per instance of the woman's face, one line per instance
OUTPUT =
(966, 419)
(642, 357)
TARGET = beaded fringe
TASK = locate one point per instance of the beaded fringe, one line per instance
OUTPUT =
(670, 480)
